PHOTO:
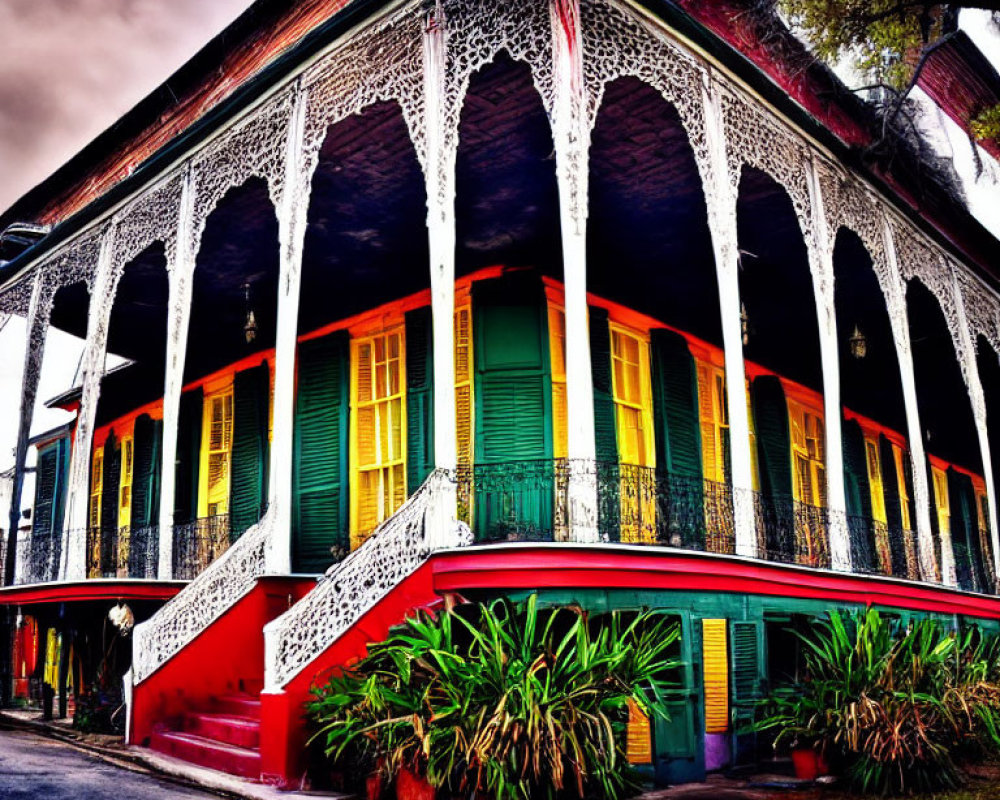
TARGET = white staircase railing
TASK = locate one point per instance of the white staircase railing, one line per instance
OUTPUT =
(201, 602)
(353, 586)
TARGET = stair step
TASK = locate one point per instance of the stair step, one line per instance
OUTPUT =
(237, 705)
(208, 753)
(227, 728)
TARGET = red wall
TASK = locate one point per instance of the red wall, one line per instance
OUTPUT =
(226, 653)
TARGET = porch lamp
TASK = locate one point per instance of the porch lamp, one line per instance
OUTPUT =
(744, 323)
(859, 344)
(250, 325)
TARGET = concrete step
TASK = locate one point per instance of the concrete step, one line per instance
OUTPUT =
(238, 704)
(208, 753)
(227, 728)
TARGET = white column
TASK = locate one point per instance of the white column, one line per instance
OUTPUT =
(914, 432)
(978, 400)
(440, 185)
(292, 221)
(39, 309)
(73, 563)
(179, 310)
(571, 138)
(821, 265)
(720, 199)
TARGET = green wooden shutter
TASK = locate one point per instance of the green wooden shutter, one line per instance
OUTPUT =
(513, 476)
(935, 529)
(679, 742)
(893, 507)
(109, 505)
(319, 488)
(857, 491)
(748, 674)
(46, 476)
(605, 432)
(188, 456)
(144, 466)
(965, 532)
(419, 397)
(677, 426)
(775, 511)
(248, 482)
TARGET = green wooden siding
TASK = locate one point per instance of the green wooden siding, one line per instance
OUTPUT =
(188, 457)
(249, 469)
(319, 479)
(419, 398)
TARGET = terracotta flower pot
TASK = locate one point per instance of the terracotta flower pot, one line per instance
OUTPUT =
(809, 764)
(373, 786)
(413, 787)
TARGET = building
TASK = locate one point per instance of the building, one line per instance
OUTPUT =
(480, 298)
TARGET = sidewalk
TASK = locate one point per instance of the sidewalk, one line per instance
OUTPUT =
(139, 759)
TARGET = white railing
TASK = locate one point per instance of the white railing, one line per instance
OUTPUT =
(353, 586)
(201, 602)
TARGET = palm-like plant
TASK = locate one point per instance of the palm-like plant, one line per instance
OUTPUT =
(505, 698)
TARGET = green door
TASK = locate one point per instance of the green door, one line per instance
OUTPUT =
(605, 430)
(748, 677)
(248, 485)
(419, 397)
(319, 477)
(679, 743)
(514, 469)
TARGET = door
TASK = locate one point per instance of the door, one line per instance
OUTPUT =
(748, 675)
(679, 743)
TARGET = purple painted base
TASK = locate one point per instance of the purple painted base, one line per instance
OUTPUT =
(716, 751)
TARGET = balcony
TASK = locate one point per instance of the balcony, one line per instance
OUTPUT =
(529, 501)
(123, 552)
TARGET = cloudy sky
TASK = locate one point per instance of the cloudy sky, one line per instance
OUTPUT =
(70, 68)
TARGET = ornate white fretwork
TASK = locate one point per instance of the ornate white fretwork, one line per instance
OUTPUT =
(353, 586)
(201, 602)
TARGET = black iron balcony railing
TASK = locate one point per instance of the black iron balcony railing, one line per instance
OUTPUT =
(790, 532)
(124, 552)
(880, 549)
(38, 558)
(198, 543)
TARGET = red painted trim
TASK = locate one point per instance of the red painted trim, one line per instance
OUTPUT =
(96, 589)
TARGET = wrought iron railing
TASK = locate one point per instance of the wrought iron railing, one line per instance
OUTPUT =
(38, 558)
(198, 543)
(971, 570)
(880, 549)
(790, 532)
(124, 552)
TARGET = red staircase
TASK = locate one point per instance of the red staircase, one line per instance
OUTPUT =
(225, 737)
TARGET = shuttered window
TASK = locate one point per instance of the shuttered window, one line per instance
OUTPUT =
(875, 482)
(638, 736)
(714, 422)
(96, 482)
(754, 458)
(808, 458)
(715, 653)
(125, 484)
(941, 502)
(557, 358)
(904, 498)
(217, 444)
(378, 421)
(464, 409)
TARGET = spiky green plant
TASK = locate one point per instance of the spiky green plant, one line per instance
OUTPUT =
(897, 707)
(505, 698)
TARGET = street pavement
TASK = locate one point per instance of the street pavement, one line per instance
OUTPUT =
(35, 768)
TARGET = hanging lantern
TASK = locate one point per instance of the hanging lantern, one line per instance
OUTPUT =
(744, 324)
(250, 325)
(859, 344)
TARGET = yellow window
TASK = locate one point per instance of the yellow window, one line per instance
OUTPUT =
(378, 423)
(125, 484)
(634, 423)
(216, 450)
(875, 483)
(941, 503)
(808, 457)
(904, 496)
(96, 485)
(716, 660)
(557, 358)
(714, 421)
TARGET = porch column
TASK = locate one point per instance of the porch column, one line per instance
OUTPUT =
(179, 310)
(39, 309)
(978, 400)
(440, 184)
(821, 265)
(914, 431)
(291, 233)
(73, 562)
(571, 138)
(720, 200)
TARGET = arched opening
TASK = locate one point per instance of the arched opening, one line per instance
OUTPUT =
(510, 366)
(782, 358)
(655, 330)
(877, 474)
(952, 446)
(364, 399)
(223, 433)
(124, 481)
